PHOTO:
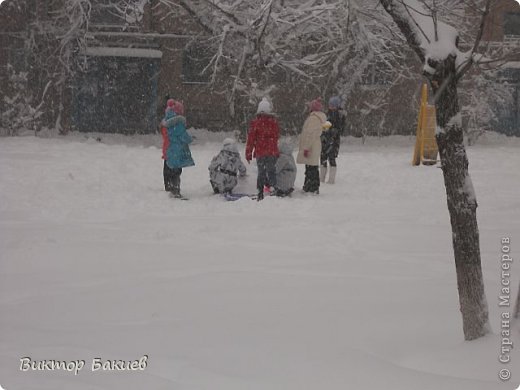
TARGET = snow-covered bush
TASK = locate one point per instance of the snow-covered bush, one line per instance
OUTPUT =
(18, 113)
(481, 100)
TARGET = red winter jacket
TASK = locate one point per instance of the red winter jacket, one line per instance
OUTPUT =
(166, 141)
(262, 138)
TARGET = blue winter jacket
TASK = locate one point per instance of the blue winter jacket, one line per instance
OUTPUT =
(178, 154)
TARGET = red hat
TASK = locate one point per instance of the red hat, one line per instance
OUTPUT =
(316, 105)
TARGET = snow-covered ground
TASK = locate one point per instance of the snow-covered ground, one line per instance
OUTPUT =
(351, 289)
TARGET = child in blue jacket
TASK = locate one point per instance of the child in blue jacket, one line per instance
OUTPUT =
(178, 154)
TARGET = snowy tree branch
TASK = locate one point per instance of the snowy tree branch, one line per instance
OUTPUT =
(466, 65)
(400, 14)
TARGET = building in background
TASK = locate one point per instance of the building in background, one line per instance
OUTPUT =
(120, 74)
(504, 30)
(117, 80)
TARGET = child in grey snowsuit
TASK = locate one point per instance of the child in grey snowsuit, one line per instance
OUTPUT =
(285, 170)
(225, 167)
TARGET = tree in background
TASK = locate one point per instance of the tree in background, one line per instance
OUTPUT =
(19, 112)
(55, 37)
(319, 48)
(333, 47)
(484, 94)
(257, 48)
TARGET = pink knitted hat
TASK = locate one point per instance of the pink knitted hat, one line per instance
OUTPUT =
(316, 105)
(169, 105)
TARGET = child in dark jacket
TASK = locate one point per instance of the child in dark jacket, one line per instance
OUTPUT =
(225, 167)
(330, 140)
(262, 143)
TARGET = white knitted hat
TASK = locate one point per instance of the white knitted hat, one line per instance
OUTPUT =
(228, 141)
(264, 107)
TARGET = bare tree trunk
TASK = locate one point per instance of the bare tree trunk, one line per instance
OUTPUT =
(462, 204)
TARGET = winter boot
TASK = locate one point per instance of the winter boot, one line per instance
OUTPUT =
(323, 173)
(332, 175)
(176, 187)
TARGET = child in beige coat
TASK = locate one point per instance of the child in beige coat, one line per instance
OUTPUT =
(310, 145)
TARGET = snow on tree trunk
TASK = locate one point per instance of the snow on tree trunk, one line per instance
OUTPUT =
(436, 46)
(462, 203)
(462, 206)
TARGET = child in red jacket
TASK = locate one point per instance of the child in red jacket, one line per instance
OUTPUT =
(262, 144)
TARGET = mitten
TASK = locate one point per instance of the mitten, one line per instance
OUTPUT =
(306, 153)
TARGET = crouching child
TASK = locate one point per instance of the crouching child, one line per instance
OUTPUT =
(285, 170)
(225, 167)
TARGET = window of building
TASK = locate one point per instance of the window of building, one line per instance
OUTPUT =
(115, 13)
(510, 73)
(512, 24)
(117, 94)
(195, 60)
(509, 114)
